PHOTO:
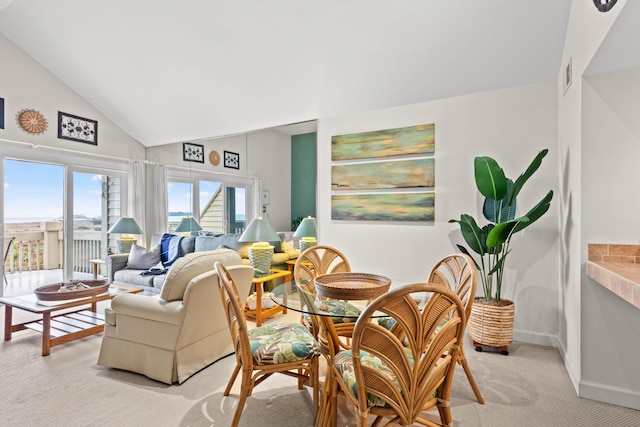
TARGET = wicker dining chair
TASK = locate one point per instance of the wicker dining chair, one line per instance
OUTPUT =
(313, 262)
(265, 350)
(7, 246)
(458, 272)
(400, 375)
(317, 260)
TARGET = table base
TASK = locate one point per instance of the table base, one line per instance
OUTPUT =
(59, 329)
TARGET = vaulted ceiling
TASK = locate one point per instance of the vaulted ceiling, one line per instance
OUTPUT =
(168, 71)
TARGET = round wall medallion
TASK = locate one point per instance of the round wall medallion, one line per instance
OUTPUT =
(31, 121)
(214, 158)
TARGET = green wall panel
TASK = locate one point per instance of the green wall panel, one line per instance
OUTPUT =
(303, 175)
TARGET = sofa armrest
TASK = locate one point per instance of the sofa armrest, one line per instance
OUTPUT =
(149, 308)
(114, 263)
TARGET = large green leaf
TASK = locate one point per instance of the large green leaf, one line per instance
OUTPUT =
(535, 164)
(471, 233)
(537, 211)
(499, 211)
(490, 178)
(501, 232)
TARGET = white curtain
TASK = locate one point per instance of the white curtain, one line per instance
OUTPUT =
(256, 199)
(160, 213)
(135, 192)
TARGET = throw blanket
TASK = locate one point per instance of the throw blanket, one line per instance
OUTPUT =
(155, 270)
(169, 248)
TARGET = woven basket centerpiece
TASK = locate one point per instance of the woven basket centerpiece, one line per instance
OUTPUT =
(491, 324)
(352, 286)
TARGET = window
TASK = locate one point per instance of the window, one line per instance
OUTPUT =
(220, 206)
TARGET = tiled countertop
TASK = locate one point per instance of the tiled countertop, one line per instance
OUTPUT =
(617, 268)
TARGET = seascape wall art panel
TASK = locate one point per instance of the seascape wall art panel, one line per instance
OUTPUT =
(384, 175)
(383, 207)
(401, 174)
(406, 141)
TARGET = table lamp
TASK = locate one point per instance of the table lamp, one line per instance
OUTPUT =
(261, 233)
(188, 224)
(307, 231)
(125, 226)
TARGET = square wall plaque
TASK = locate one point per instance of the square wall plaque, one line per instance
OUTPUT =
(77, 128)
(192, 152)
(231, 160)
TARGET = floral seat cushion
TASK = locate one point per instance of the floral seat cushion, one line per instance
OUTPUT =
(344, 363)
(281, 343)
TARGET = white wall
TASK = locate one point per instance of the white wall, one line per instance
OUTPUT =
(24, 83)
(511, 125)
(598, 170)
(610, 209)
(586, 29)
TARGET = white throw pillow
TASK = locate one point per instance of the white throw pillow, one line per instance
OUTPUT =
(142, 259)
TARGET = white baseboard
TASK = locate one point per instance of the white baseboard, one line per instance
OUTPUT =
(614, 395)
(574, 376)
(535, 338)
(596, 391)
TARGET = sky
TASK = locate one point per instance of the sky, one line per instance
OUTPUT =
(36, 190)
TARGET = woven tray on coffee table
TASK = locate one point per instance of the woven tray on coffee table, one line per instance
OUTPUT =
(54, 293)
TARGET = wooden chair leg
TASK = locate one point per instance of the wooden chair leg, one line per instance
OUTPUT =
(463, 361)
(240, 408)
(232, 379)
(315, 383)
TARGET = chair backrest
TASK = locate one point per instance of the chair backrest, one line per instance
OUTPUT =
(317, 260)
(458, 273)
(421, 359)
(7, 245)
(233, 308)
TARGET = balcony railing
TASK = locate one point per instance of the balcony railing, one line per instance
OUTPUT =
(42, 250)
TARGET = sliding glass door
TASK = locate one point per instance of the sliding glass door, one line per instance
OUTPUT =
(33, 218)
(96, 207)
(57, 219)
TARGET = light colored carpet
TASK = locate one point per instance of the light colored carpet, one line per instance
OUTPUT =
(529, 387)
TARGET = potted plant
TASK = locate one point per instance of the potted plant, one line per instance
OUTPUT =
(491, 320)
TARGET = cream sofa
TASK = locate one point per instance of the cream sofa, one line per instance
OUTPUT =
(171, 336)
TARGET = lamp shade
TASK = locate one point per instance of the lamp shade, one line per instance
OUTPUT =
(259, 230)
(187, 224)
(125, 225)
(307, 228)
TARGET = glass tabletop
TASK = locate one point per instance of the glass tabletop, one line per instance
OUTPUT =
(291, 296)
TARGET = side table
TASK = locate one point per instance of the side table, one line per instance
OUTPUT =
(96, 263)
(259, 282)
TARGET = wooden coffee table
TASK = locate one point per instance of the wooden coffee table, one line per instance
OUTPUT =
(62, 328)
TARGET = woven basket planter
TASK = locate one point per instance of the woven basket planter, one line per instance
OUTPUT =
(491, 325)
